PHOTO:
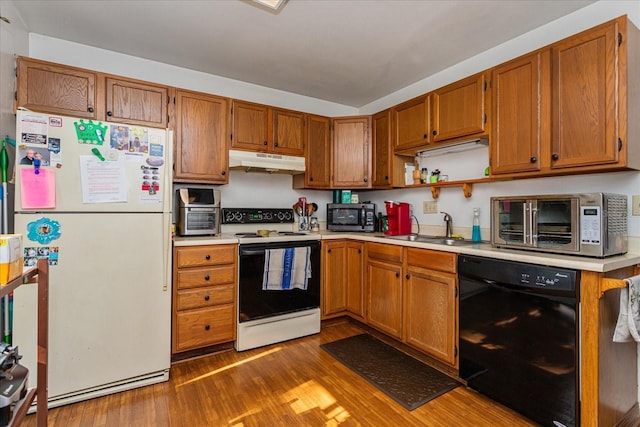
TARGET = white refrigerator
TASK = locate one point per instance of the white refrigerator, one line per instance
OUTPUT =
(99, 206)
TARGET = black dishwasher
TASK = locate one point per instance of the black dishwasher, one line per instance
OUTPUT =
(518, 336)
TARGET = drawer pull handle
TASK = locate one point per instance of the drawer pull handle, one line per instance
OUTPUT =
(206, 297)
(206, 277)
(207, 257)
(207, 327)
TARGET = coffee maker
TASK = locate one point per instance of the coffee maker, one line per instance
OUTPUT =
(398, 218)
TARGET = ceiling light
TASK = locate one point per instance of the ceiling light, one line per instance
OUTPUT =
(271, 4)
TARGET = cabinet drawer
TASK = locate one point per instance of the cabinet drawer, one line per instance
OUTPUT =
(381, 251)
(433, 260)
(208, 276)
(205, 297)
(194, 256)
(200, 328)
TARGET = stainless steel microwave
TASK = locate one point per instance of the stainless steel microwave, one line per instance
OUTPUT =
(351, 217)
(591, 224)
(198, 211)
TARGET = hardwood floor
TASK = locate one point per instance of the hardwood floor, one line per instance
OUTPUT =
(288, 384)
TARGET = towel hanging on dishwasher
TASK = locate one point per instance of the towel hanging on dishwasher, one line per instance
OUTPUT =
(288, 268)
(628, 325)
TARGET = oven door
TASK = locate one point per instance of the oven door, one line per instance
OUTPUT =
(254, 302)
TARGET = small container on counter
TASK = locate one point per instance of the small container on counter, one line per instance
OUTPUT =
(315, 225)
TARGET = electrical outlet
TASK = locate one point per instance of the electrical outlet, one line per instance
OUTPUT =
(430, 207)
(635, 207)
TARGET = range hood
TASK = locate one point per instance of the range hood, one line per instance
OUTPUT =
(264, 162)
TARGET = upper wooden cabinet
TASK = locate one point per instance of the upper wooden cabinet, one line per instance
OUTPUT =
(412, 123)
(261, 128)
(318, 159)
(520, 128)
(381, 162)
(460, 109)
(201, 138)
(289, 132)
(250, 126)
(59, 89)
(350, 152)
(586, 86)
(564, 109)
(53, 88)
(136, 103)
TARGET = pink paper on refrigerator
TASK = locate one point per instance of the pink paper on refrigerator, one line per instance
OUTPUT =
(38, 190)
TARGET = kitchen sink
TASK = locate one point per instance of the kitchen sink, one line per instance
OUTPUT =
(439, 240)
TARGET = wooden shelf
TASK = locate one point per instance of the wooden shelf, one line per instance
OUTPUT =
(467, 185)
(40, 276)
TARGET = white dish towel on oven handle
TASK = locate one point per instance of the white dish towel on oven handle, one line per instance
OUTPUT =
(628, 325)
(285, 269)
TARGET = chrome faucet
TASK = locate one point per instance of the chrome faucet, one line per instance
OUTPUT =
(447, 222)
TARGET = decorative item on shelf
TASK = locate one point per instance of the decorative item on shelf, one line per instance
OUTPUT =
(416, 172)
(443, 178)
(435, 175)
(486, 171)
(424, 176)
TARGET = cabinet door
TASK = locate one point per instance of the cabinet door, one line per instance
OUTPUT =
(318, 159)
(384, 304)
(459, 109)
(430, 310)
(412, 123)
(57, 89)
(521, 117)
(289, 132)
(201, 138)
(250, 126)
(584, 101)
(335, 289)
(350, 152)
(355, 281)
(381, 161)
(136, 103)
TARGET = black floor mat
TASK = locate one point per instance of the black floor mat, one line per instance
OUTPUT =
(406, 380)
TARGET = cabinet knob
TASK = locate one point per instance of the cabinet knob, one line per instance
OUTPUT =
(207, 257)
(90, 109)
(275, 144)
(224, 173)
(359, 251)
(397, 274)
(434, 132)
(424, 136)
(264, 143)
(206, 277)
(329, 250)
(407, 277)
(206, 297)
(533, 159)
(386, 177)
(366, 179)
(554, 156)
(109, 113)
(207, 327)
(310, 178)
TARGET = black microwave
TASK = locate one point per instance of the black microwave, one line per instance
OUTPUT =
(351, 217)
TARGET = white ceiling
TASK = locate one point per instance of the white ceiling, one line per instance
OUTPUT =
(350, 52)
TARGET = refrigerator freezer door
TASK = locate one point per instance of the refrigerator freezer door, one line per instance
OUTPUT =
(110, 302)
(142, 168)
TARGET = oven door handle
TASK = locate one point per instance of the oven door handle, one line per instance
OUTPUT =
(252, 252)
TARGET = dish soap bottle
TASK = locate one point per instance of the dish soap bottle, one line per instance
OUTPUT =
(475, 233)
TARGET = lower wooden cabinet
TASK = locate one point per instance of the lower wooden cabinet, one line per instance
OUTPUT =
(204, 296)
(384, 284)
(342, 268)
(430, 305)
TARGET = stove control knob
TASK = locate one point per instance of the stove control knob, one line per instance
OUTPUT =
(267, 216)
(237, 217)
(288, 216)
(280, 216)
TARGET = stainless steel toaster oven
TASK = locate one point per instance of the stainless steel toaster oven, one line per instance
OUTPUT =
(198, 211)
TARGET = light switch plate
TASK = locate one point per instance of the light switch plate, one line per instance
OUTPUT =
(635, 207)
(430, 207)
